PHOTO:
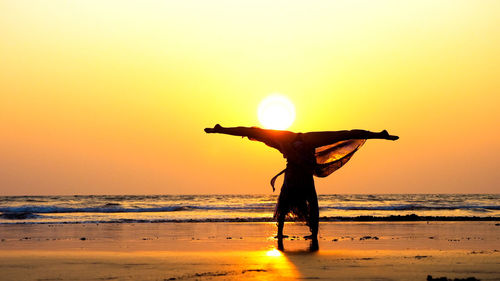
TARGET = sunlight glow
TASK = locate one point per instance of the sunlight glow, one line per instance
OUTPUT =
(276, 112)
(273, 253)
(274, 260)
(110, 97)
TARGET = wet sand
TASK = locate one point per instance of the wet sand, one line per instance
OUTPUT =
(236, 251)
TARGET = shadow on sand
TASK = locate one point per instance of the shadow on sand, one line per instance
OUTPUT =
(313, 247)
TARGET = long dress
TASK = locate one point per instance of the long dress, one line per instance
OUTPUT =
(298, 194)
(308, 154)
(298, 197)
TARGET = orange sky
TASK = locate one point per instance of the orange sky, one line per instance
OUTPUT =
(111, 97)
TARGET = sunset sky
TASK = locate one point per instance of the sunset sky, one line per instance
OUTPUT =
(111, 97)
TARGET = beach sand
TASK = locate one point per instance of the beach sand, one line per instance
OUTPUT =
(236, 251)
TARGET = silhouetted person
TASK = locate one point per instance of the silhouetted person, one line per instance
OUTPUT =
(307, 154)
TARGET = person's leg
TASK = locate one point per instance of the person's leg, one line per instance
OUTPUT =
(280, 244)
(314, 223)
(281, 225)
(313, 214)
(282, 209)
(314, 245)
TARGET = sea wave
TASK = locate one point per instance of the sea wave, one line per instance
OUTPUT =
(19, 216)
(118, 208)
(392, 218)
(101, 209)
(413, 207)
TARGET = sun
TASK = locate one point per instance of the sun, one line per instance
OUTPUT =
(276, 112)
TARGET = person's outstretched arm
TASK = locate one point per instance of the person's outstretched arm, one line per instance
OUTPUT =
(270, 137)
(317, 139)
(233, 131)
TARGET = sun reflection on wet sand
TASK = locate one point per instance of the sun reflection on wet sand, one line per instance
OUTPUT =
(273, 253)
(276, 263)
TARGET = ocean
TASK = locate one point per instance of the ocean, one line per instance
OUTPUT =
(251, 208)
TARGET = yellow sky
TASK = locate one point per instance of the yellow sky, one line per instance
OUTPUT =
(111, 97)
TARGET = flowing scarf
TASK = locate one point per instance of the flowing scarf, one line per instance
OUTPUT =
(330, 158)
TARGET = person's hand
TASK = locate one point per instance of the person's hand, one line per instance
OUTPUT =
(215, 129)
(385, 135)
